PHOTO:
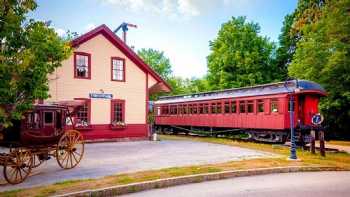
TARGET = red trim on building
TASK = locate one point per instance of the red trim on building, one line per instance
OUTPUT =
(75, 64)
(122, 59)
(108, 34)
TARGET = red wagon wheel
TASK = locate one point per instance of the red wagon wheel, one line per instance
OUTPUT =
(70, 149)
(18, 166)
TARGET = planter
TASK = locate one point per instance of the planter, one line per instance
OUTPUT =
(117, 127)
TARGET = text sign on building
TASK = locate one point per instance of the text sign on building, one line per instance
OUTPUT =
(101, 95)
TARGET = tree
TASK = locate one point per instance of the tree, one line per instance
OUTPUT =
(323, 55)
(157, 60)
(240, 57)
(29, 52)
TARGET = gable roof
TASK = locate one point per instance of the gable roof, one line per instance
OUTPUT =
(117, 42)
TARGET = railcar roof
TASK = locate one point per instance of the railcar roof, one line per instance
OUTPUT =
(259, 90)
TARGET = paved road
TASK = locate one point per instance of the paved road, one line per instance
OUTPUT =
(102, 159)
(308, 184)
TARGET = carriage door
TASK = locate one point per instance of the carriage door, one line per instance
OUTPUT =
(49, 123)
(310, 108)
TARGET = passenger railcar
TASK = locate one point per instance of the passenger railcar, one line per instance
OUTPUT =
(260, 111)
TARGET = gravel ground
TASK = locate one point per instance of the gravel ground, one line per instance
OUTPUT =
(102, 159)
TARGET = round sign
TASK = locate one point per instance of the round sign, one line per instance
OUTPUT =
(317, 119)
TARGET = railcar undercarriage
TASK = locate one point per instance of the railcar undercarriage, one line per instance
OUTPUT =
(256, 135)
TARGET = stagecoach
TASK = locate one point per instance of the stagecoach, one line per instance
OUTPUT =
(41, 135)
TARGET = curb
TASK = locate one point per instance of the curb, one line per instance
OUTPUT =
(161, 183)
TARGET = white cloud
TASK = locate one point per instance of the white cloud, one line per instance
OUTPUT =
(184, 8)
(60, 32)
(90, 26)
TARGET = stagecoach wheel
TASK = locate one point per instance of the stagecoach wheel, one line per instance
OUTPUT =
(70, 149)
(18, 166)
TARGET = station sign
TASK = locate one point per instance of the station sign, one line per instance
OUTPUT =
(101, 96)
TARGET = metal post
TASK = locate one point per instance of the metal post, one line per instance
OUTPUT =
(322, 148)
(312, 143)
(293, 154)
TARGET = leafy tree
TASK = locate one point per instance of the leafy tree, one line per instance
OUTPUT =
(157, 60)
(323, 55)
(29, 51)
(240, 57)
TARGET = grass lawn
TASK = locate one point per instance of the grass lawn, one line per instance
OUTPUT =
(340, 160)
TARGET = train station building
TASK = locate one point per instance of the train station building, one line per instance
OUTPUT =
(113, 82)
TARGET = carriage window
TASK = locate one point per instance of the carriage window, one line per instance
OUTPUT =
(33, 120)
(82, 65)
(48, 117)
(260, 107)
(227, 107)
(213, 108)
(218, 108)
(241, 106)
(190, 109)
(59, 120)
(233, 107)
(250, 106)
(165, 110)
(194, 109)
(206, 108)
(274, 105)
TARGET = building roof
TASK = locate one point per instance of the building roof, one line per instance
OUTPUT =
(114, 39)
(300, 86)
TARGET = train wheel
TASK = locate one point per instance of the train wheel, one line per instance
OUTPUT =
(18, 166)
(70, 149)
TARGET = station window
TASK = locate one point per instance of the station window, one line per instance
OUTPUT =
(118, 69)
(206, 108)
(242, 105)
(194, 109)
(227, 107)
(213, 108)
(83, 115)
(219, 108)
(274, 105)
(233, 107)
(82, 65)
(118, 111)
(260, 106)
(250, 106)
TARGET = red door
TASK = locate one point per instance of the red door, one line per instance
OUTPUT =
(48, 123)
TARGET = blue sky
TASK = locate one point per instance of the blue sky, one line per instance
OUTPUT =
(180, 28)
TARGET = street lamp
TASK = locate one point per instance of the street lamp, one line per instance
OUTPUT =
(291, 91)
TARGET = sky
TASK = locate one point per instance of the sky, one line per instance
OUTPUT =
(180, 28)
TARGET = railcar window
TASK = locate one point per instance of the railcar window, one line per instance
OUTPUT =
(274, 105)
(227, 107)
(206, 108)
(250, 106)
(242, 105)
(175, 109)
(184, 107)
(190, 109)
(201, 109)
(194, 109)
(213, 108)
(233, 107)
(260, 107)
(218, 108)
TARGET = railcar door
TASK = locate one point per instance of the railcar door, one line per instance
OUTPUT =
(309, 107)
